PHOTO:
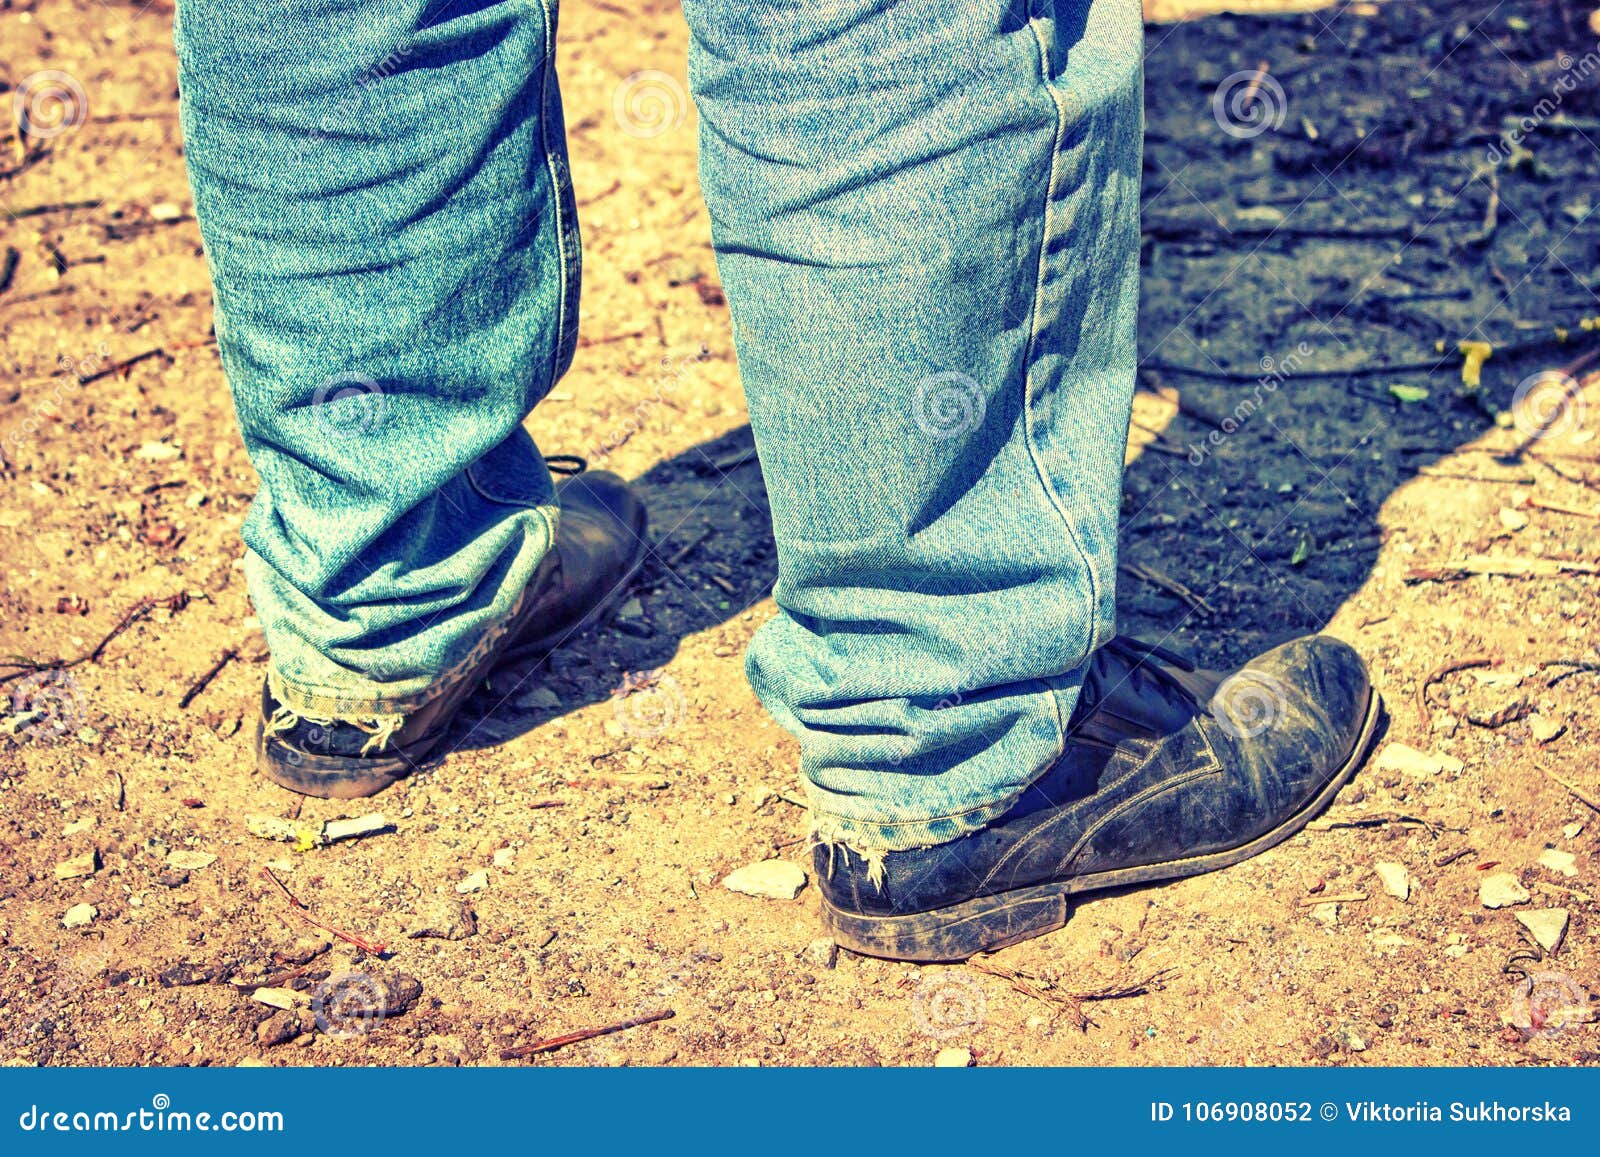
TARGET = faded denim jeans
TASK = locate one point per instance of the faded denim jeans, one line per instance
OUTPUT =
(926, 220)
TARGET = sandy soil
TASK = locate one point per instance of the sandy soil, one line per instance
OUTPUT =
(1297, 278)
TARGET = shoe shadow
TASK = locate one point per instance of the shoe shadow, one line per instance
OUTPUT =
(1304, 293)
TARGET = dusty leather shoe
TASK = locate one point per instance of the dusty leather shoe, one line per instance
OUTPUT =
(1167, 772)
(599, 545)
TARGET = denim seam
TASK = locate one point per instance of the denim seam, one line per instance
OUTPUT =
(1152, 792)
(548, 93)
(1092, 598)
(821, 815)
(1133, 768)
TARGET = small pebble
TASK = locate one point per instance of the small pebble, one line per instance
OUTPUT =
(1502, 890)
(774, 879)
(1547, 926)
(284, 998)
(1544, 729)
(78, 866)
(1408, 760)
(1512, 520)
(1396, 880)
(476, 882)
(79, 916)
(190, 861)
(1557, 861)
(953, 1059)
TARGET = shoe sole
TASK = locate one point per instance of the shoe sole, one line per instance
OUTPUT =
(989, 923)
(346, 777)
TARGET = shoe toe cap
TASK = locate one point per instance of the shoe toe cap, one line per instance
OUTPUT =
(1316, 684)
(601, 493)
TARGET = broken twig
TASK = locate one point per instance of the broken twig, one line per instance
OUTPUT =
(138, 611)
(204, 680)
(572, 1038)
(1577, 792)
(295, 902)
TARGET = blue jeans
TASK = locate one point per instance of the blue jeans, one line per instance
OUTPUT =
(926, 220)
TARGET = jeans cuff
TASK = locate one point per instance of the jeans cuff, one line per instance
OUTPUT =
(872, 837)
(359, 698)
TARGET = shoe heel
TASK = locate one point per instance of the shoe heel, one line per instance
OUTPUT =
(955, 933)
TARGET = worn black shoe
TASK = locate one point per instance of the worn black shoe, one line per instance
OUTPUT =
(599, 545)
(1167, 772)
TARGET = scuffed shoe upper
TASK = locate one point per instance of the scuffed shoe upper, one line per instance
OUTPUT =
(600, 534)
(1162, 763)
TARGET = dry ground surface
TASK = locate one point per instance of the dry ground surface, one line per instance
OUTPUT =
(1307, 454)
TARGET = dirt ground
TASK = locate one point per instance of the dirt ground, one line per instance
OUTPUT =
(1307, 453)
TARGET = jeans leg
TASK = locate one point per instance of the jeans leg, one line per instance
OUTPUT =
(926, 218)
(383, 192)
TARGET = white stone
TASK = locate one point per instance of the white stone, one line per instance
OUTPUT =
(476, 882)
(953, 1059)
(1325, 914)
(1564, 862)
(78, 866)
(157, 452)
(190, 861)
(1502, 890)
(821, 952)
(285, 998)
(1547, 926)
(505, 858)
(775, 879)
(1572, 831)
(1544, 729)
(1408, 760)
(79, 916)
(1396, 880)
